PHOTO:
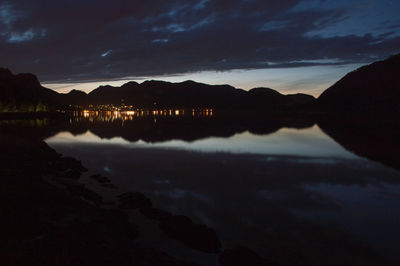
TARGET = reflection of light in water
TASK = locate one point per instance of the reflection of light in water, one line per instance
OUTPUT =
(286, 141)
(122, 114)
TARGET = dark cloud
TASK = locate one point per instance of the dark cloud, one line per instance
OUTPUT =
(89, 40)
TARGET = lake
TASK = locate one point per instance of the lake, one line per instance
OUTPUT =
(288, 191)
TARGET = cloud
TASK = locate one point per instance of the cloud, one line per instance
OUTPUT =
(96, 40)
(106, 53)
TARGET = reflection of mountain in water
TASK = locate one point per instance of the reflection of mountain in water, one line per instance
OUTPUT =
(187, 129)
(154, 129)
(378, 142)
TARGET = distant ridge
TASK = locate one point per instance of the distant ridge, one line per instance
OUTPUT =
(23, 93)
(190, 94)
(374, 87)
(25, 89)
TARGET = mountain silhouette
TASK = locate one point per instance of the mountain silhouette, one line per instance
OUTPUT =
(190, 94)
(73, 97)
(374, 87)
(23, 92)
(25, 89)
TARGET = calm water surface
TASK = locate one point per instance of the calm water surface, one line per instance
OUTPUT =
(294, 195)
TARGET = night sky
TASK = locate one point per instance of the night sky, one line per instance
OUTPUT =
(288, 45)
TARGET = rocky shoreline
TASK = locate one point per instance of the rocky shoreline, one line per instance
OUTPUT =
(49, 217)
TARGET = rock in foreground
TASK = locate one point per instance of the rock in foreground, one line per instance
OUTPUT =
(196, 236)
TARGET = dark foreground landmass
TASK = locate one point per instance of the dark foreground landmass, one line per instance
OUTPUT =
(50, 218)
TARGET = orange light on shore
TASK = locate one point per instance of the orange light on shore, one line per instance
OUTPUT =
(111, 115)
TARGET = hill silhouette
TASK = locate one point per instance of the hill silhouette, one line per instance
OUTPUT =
(24, 93)
(73, 97)
(374, 87)
(190, 94)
